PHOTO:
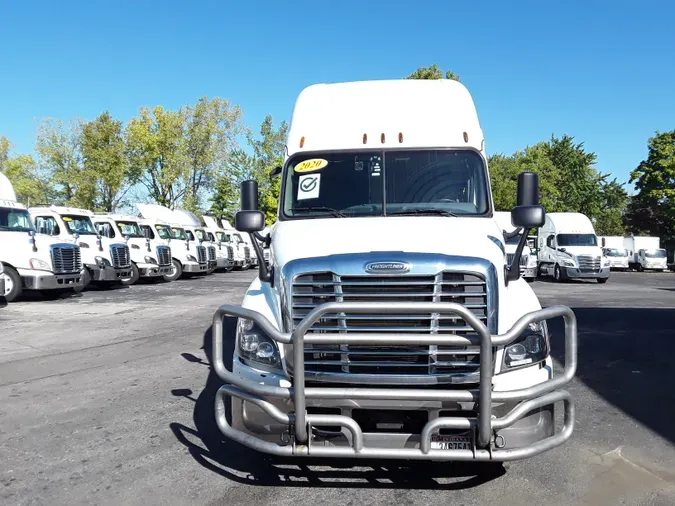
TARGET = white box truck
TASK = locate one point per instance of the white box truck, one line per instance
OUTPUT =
(387, 325)
(150, 258)
(645, 253)
(188, 258)
(613, 248)
(105, 261)
(33, 261)
(569, 249)
(511, 234)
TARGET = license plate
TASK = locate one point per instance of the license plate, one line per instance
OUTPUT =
(463, 442)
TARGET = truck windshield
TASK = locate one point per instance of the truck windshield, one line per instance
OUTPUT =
(15, 220)
(614, 252)
(222, 237)
(201, 235)
(577, 240)
(163, 231)
(375, 183)
(178, 233)
(659, 253)
(78, 224)
(130, 228)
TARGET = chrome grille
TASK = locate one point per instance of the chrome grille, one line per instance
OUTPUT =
(523, 259)
(247, 253)
(120, 255)
(468, 289)
(211, 253)
(201, 254)
(66, 258)
(163, 255)
(230, 253)
(589, 263)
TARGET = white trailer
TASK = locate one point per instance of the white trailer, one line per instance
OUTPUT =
(33, 261)
(528, 258)
(387, 325)
(569, 249)
(106, 261)
(613, 248)
(645, 253)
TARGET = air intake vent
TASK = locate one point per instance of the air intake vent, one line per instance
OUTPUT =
(120, 255)
(66, 259)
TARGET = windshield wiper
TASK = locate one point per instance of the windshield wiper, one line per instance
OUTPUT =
(330, 210)
(421, 211)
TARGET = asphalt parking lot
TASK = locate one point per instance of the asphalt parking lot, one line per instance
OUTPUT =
(107, 398)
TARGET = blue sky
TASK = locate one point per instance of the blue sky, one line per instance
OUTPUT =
(603, 72)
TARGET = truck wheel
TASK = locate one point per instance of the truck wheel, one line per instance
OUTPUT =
(640, 268)
(557, 274)
(176, 272)
(12, 283)
(602, 280)
(135, 275)
(85, 278)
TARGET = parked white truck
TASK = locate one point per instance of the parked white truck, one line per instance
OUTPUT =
(613, 248)
(645, 253)
(188, 258)
(150, 258)
(105, 261)
(511, 234)
(193, 227)
(227, 253)
(33, 261)
(569, 249)
(242, 246)
(387, 325)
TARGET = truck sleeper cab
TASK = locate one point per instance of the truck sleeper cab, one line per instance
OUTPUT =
(32, 261)
(149, 259)
(360, 342)
(105, 261)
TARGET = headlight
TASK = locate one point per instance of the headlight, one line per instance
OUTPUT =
(102, 262)
(150, 260)
(605, 262)
(40, 265)
(531, 347)
(191, 258)
(254, 346)
(568, 262)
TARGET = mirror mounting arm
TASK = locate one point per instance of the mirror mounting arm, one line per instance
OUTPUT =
(513, 270)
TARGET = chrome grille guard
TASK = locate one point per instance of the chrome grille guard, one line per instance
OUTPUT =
(300, 422)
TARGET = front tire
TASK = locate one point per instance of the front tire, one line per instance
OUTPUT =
(135, 276)
(13, 286)
(557, 274)
(86, 279)
(176, 273)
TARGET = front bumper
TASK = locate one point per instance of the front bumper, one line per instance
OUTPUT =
(193, 267)
(618, 266)
(224, 263)
(270, 414)
(574, 273)
(43, 280)
(529, 272)
(108, 273)
(153, 270)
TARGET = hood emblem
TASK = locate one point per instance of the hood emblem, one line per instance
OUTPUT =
(388, 267)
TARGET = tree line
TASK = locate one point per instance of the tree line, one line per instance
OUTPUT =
(196, 157)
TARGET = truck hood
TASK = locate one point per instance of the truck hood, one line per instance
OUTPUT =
(469, 237)
(595, 251)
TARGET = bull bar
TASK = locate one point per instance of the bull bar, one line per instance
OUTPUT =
(300, 422)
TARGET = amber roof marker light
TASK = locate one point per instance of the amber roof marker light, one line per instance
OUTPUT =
(365, 138)
(302, 141)
(466, 137)
(400, 137)
(382, 138)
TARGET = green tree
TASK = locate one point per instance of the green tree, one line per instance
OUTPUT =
(157, 153)
(58, 149)
(226, 195)
(30, 184)
(211, 130)
(5, 146)
(105, 163)
(432, 72)
(652, 208)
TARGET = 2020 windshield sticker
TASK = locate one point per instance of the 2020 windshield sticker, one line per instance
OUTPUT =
(311, 165)
(308, 186)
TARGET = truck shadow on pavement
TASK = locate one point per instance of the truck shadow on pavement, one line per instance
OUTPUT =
(625, 357)
(210, 448)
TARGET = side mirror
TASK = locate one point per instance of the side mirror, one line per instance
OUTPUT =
(252, 221)
(528, 216)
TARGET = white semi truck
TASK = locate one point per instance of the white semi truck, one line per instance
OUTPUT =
(33, 261)
(528, 258)
(188, 257)
(387, 325)
(614, 249)
(228, 255)
(244, 247)
(645, 253)
(193, 227)
(105, 261)
(150, 258)
(569, 249)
